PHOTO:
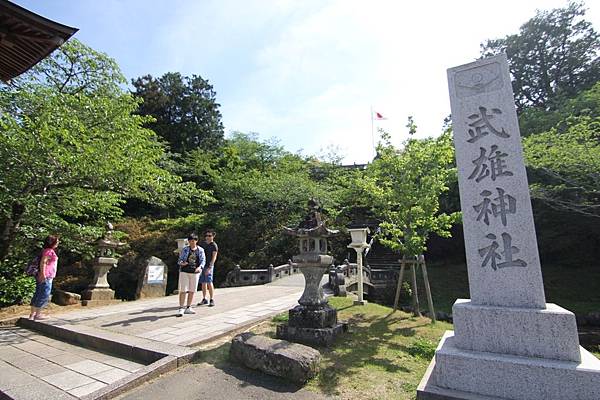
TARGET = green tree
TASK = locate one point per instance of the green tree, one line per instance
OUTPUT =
(554, 56)
(186, 114)
(259, 188)
(404, 187)
(536, 120)
(565, 164)
(73, 149)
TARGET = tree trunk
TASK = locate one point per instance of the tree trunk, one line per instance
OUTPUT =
(10, 227)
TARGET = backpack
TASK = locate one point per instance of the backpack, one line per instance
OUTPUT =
(33, 267)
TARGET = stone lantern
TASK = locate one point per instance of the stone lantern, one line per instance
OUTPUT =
(313, 321)
(181, 243)
(99, 291)
(359, 243)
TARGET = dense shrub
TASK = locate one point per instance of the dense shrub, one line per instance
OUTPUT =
(15, 286)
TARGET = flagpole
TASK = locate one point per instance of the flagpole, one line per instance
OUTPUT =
(373, 134)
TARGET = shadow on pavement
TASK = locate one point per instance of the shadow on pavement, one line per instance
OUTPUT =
(150, 315)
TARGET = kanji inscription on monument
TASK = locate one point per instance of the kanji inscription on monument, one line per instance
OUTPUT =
(507, 343)
(502, 255)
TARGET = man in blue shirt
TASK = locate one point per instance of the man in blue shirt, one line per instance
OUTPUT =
(191, 261)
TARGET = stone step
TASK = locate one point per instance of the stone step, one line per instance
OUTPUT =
(34, 365)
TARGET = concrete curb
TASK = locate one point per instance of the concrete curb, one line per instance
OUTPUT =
(136, 348)
(165, 364)
(161, 357)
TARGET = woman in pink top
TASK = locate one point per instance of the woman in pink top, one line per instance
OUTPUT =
(43, 280)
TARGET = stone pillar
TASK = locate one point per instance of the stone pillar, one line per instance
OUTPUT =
(271, 273)
(508, 343)
(313, 292)
(359, 262)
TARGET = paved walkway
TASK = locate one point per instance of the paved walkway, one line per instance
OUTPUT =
(156, 318)
(36, 366)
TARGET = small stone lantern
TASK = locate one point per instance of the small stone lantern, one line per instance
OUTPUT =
(181, 243)
(99, 291)
(313, 321)
(359, 243)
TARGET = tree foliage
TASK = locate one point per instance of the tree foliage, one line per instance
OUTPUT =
(404, 186)
(186, 114)
(259, 188)
(536, 120)
(73, 149)
(567, 160)
(554, 56)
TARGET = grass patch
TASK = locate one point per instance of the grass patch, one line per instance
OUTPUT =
(422, 348)
(384, 356)
(574, 287)
(281, 318)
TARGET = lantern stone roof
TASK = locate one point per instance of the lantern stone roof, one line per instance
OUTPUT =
(26, 38)
(313, 224)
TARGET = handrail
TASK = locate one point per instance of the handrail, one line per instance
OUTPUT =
(259, 276)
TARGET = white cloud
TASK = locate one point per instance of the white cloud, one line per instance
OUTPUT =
(308, 71)
(322, 70)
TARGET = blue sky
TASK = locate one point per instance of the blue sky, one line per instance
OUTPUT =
(305, 72)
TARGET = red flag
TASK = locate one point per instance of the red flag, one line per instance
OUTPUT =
(379, 116)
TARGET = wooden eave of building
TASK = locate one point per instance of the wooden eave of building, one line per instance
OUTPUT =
(26, 38)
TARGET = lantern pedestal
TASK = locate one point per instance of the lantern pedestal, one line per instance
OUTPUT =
(313, 322)
(320, 337)
(99, 292)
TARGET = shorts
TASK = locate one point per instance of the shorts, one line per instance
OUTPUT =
(206, 278)
(188, 282)
(42, 293)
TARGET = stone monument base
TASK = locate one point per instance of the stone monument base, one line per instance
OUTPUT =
(549, 333)
(98, 296)
(311, 336)
(455, 374)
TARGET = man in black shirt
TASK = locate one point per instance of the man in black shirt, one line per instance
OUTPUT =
(206, 277)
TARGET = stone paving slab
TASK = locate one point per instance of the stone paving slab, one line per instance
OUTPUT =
(36, 366)
(142, 330)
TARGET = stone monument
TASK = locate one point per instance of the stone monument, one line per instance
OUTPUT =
(507, 343)
(99, 291)
(314, 321)
(153, 281)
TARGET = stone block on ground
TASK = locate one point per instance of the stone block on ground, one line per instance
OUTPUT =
(291, 361)
(63, 298)
(98, 294)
